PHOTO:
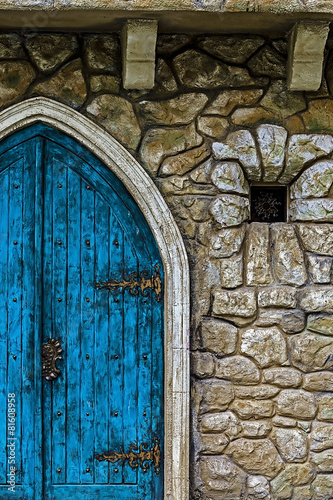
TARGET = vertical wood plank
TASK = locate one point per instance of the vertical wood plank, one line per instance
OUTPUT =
(48, 314)
(116, 355)
(145, 355)
(59, 174)
(102, 339)
(88, 331)
(15, 264)
(4, 247)
(130, 398)
(74, 323)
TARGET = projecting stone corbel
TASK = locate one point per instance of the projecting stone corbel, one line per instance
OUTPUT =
(306, 54)
(138, 40)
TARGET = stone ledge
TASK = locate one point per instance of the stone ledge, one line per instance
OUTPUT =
(242, 17)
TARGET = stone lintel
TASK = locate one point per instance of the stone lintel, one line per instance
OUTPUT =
(138, 46)
(306, 54)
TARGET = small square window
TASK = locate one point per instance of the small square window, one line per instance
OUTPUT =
(268, 204)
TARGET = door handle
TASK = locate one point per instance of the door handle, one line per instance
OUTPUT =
(50, 353)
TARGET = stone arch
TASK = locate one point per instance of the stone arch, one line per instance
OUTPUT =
(173, 254)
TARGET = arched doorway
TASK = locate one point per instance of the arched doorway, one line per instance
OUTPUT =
(175, 357)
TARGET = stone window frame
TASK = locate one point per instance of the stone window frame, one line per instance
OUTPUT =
(174, 258)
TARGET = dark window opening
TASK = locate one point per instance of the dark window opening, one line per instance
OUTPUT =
(268, 204)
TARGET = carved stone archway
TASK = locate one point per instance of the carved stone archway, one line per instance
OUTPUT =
(172, 251)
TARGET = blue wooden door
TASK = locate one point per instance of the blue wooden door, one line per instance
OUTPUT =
(79, 270)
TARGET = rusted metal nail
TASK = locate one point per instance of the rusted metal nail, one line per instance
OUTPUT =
(87, 299)
(59, 413)
(87, 356)
(60, 186)
(15, 242)
(145, 356)
(14, 357)
(116, 470)
(88, 243)
(59, 470)
(116, 414)
(87, 469)
(15, 299)
(60, 300)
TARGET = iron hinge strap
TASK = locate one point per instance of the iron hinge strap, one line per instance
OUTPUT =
(141, 458)
(136, 282)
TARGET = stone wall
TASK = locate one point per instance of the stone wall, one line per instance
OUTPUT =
(219, 119)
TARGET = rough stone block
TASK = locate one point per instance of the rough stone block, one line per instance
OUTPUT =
(318, 382)
(102, 53)
(287, 255)
(255, 456)
(117, 116)
(213, 444)
(321, 437)
(20, 72)
(213, 126)
(231, 271)
(257, 255)
(256, 392)
(230, 210)
(283, 377)
(48, 51)
(320, 269)
(247, 408)
(317, 238)
(312, 210)
(202, 364)
(227, 100)
(212, 395)
(289, 320)
(291, 443)
(226, 422)
(272, 142)
(158, 143)
(240, 146)
(326, 406)
(180, 110)
(279, 421)
(223, 243)
(237, 369)
(221, 478)
(321, 323)
(317, 299)
(302, 149)
(266, 345)
(238, 302)
(256, 428)
(277, 296)
(258, 487)
(196, 70)
(218, 336)
(311, 352)
(323, 460)
(315, 181)
(229, 177)
(297, 404)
